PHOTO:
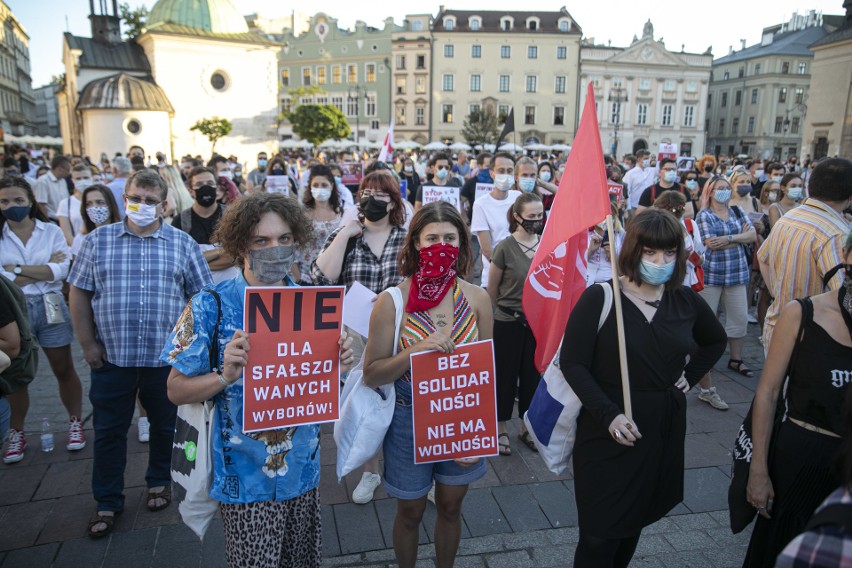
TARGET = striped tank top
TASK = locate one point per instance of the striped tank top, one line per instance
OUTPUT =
(418, 326)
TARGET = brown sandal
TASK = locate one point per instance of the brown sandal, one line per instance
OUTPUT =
(97, 519)
(525, 438)
(165, 494)
(505, 448)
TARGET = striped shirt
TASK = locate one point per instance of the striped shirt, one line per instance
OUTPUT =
(803, 246)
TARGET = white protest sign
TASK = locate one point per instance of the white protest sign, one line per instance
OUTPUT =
(451, 195)
(483, 189)
(278, 184)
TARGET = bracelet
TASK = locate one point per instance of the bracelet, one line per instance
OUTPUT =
(222, 380)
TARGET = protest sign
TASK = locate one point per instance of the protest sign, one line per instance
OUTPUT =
(667, 151)
(616, 190)
(454, 402)
(685, 163)
(293, 372)
(483, 189)
(351, 173)
(451, 195)
(278, 184)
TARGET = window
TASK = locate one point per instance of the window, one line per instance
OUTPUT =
(757, 68)
(306, 76)
(400, 62)
(564, 25)
(417, 25)
(504, 83)
(352, 74)
(217, 81)
(735, 125)
(351, 106)
(750, 127)
(505, 51)
(559, 116)
(475, 24)
(337, 101)
(669, 85)
(449, 25)
(502, 113)
(421, 62)
(689, 116)
(371, 72)
(738, 97)
(779, 124)
(803, 68)
(400, 85)
(642, 114)
(322, 100)
(446, 114)
(532, 83)
(615, 116)
(561, 82)
(400, 114)
(375, 124)
(561, 52)
(506, 24)
(475, 83)
(532, 52)
(321, 78)
(285, 77)
(741, 72)
(644, 84)
(133, 126)
(420, 116)
(449, 51)
(692, 86)
(754, 96)
(782, 95)
(306, 100)
(337, 75)
(726, 76)
(721, 126)
(724, 100)
(532, 25)
(709, 99)
(529, 115)
(371, 105)
(476, 51)
(447, 82)
(286, 105)
(667, 115)
(800, 96)
(785, 67)
(794, 125)
(420, 85)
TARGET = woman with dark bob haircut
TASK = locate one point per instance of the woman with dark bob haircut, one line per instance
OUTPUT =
(441, 311)
(628, 473)
(267, 483)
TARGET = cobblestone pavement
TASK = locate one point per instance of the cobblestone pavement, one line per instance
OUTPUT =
(518, 515)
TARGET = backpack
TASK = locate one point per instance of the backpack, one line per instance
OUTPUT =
(23, 368)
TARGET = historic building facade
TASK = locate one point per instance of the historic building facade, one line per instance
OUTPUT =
(17, 99)
(411, 87)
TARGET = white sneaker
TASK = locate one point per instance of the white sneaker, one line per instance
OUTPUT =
(144, 429)
(431, 495)
(713, 399)
(363, 494)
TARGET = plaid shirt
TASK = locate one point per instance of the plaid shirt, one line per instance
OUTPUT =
(827, 545)
(361, 264)
(728, 266)
(140, 286)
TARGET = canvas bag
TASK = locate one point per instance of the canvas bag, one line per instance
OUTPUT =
(192, 452)
(552, 416)
(22, 369)
(365, 413)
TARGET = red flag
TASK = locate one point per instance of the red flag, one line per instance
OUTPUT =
(557, 274)
(387, 147)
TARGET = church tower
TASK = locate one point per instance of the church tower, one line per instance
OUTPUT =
(106, 27)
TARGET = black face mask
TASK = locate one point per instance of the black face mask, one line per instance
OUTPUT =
(708, 168)
(278, 172)
(533, 226)
(373, 209)
(205, 195)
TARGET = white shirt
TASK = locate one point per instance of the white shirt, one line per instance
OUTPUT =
(46, 239)
(70, 209)
(638, 180)
(491, 215)
(346, 199)
(51, 191)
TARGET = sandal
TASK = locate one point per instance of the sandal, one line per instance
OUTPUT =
(505, 448)
(97, 519)
(738, 366)
(525, 438)
(165, 494)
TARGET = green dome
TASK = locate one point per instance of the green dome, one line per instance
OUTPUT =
(216, 16)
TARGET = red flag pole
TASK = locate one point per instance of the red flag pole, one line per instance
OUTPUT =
(619, 321)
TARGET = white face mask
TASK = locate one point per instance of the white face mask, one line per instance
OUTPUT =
(226, 174)
(504, 182)
(141, 214)
(321, 193)
(84, 183)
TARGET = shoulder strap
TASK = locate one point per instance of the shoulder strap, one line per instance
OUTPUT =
(396, 296)
(807, 317)
(830, 274)
(839, 514)
(653, 193)
(737, 211)
(186, 220)
(689, 228)
(214, 345)
(607, 303)
(350, 246)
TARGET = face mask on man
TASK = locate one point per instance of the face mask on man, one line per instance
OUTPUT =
(504, 182)
(81, 184)
(758, 174)
(526, 184)
(442, 173)
(226, 174)
(262, 162)
(670, 176)
(205, 195)
(776, 178)
(646, 163)
(141, 214)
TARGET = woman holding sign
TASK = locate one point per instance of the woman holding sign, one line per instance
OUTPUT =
(441, 311)
(266, 482)
(628, 472)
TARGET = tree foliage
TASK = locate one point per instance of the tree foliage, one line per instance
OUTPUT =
(213, 128)
(481, 127)
(134, 20)
(318, 123)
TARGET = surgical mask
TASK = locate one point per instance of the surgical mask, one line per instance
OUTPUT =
(141, 214)
(226, 174)
(646, 163)
(691, 184)
(670, 176)
(655, 274)
(262, 163)
(442, 173)
(743, 190)
(722, 195)
(777, 178)
(373, 209)
(408, 169)
(533, 226)
(729, 171)
(504, 182)
(794, 193)
(82, 184)
(773, 196)
(544, 176)
(98, 214)
(758, 174)
(338, 180)
(17, 213)
(271, 265)
(110, 177)
(321, 193)
(205, 195)
(526, 184)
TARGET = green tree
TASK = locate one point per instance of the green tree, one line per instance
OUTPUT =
(134, 20)
(213, 128)
(318, 123)
(481, 127)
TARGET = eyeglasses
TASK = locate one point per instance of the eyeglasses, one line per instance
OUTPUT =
(136, 200)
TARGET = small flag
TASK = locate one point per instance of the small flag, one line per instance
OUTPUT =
(508, 127)
(387, 147)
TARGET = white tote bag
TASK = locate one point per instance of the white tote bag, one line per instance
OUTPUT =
(192, 465)
(365, 413)
(552, 416)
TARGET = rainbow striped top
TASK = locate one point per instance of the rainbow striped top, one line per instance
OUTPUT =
(418, 326)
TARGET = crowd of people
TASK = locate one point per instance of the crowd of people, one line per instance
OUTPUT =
(145, 264)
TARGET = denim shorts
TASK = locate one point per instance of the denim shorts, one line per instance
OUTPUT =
(403, 478)
(49, 334)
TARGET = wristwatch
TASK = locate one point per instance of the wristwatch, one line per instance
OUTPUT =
(730, 238)
(17, 269)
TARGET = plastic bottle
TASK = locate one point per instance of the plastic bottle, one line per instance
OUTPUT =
(46, 436)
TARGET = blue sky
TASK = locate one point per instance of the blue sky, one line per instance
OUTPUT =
(721, 23)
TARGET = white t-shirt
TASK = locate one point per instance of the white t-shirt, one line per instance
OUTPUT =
(638, 180)
(70, 209)
(491, 215)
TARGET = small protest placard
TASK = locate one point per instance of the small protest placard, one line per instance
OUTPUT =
(451, 195)
(278, 184)
(454, 402)
(685, 163)
(616, 190)
(351, 173)
(293, 372)
(667, 151)
(483, 189)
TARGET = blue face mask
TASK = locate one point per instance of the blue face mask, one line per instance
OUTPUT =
(262, 163)
(526, 184)
(338, 180)
(544, 176)
(670, 177)
(17, 213)
(794, 193)
(484, 175)
(655, 274)
(722, 195)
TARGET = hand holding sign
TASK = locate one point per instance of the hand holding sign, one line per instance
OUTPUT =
(346, 353)
(236, 356)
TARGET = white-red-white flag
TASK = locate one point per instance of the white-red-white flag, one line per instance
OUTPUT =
(387, 147)
(557, 275)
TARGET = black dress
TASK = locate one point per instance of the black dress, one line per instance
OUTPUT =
(619, 489)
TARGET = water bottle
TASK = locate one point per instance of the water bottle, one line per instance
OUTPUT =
(46, 436)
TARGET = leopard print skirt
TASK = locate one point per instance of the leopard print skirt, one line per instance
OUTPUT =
(274, 534)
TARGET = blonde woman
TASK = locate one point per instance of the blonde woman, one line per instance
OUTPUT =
(179, 197)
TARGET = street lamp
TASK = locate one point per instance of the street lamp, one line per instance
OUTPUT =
(349, 96)
(617, 95)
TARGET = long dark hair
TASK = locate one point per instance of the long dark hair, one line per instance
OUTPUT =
(21, 183)
(114, 215)
(436, 212)
(334, 201)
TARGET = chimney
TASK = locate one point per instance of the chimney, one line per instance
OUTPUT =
(743, 43)
(847, 4)
(106, 27)
(730, 50)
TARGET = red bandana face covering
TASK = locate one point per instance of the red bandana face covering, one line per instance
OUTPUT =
(436, 274)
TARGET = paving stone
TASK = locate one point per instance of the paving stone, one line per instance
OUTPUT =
(731, 557)
(695, 521)
(330, 543)
(469, 562)
(520, 540)
(131, 549)
(168, 517)
(552, 556)
(482, 514)
(685, 540)
(480, 545)
(724, 538)
(424, 563)
(65, 523)
(358, 528)
(706, 489)
(569, 535)
(511, 470)
(653, 544)
(346, 560)
(702, 450)
(331, 491)
(520, 508)
(664, 525)
(557, 502)
(646, 562)
(65, 478)
(517, 559)
(19, 483)
(679, 509)
(213, 547)
(386, 555)
(490, 478)
(33, 556)
(23, 523)
(700, 417)
(177, 546)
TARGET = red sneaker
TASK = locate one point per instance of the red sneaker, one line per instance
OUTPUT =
(15, 449)
(76, 438)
